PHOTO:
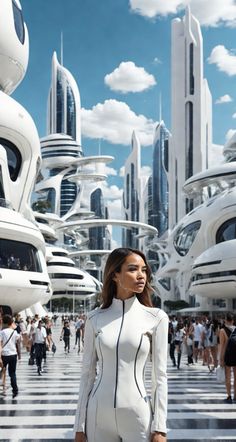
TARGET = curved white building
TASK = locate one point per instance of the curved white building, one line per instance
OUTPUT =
(68, 281)
(213, 222)
(24, 279)
(14, 45)
(214, 272)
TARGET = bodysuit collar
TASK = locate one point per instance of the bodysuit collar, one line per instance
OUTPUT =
(118, 303)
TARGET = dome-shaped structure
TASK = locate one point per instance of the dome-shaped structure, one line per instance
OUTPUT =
(14, 45)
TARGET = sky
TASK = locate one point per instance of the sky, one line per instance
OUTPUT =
(120, 56)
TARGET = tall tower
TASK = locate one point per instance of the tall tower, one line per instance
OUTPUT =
(160, 164)
(61, 148)
(191, 112)
(64, 110)
(131, 195)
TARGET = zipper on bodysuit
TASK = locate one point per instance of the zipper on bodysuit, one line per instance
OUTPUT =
(117, 353)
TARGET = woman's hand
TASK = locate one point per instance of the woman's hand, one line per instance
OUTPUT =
(158, 437)
(80, 437)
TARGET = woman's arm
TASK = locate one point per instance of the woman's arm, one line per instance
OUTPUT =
(86, 381)
(159, 378)
(223, 341)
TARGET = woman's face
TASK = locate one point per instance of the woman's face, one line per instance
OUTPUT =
(132, 277)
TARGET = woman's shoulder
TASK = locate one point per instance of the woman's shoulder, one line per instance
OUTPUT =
(93, 313)
(156, 312)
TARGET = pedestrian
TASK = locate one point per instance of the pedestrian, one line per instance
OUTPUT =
(65, 336)
(225, 333)
(121, 334)
(197, 333)
(179, 338)
(79, 325)
(9, 351)
(40, 336)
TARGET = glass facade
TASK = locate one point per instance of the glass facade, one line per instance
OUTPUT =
(18, 255)
(191, 69)
(160, 191)
(185, 237)
(97, 234)
(14, 158)
(18, 22)
(226, 231)
(71, 112)
(60, 104)
(68, 195)
(2, 193)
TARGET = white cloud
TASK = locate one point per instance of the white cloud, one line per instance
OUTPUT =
(114, 209)
(115, 122)
(224, 99)
(214, 13)
(101, 168)
(229, 134)
(216, 155)
(129, 78)
(209, 13)
(146, 171)
(234, 115)
(224, 60)
(122, 171)
(152, 8)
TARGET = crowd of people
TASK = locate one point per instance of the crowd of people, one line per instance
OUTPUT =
(197, 339)
(34, 335)
(203, 340)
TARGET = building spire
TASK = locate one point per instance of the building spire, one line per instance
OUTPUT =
(61, 48)
(160, 108)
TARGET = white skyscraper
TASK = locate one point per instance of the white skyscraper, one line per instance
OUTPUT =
(64, 112)
(191, 113)
(131, 196)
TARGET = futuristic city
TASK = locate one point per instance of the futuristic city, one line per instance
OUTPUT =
(73, 190)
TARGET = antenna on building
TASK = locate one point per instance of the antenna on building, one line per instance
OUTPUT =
(61, 48)
(160, 108)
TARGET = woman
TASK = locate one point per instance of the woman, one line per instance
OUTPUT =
(65, 335)
(119, 335)
(179, 337)
(224, 335)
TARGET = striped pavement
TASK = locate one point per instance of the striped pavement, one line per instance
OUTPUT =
(45, 407)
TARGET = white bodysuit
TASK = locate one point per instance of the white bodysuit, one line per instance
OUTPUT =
(114, 406)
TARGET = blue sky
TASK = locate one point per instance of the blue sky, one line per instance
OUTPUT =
(108, 44)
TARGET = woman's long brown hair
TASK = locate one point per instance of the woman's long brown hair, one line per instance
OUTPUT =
(113, 265)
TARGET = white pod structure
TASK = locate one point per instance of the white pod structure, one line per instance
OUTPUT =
(23, 273)
(14, 45)
(20, 154)
(214, 271)
(24, 280)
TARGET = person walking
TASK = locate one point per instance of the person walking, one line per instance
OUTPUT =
(224, 336)
(40, 336)
(121, 335)
(65, 336)
(79, 324)
(9, 351)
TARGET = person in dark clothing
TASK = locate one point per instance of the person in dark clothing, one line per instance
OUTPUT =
(65, 335)
(9, 351)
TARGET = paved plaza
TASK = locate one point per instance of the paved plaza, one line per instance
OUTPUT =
(45, 407)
